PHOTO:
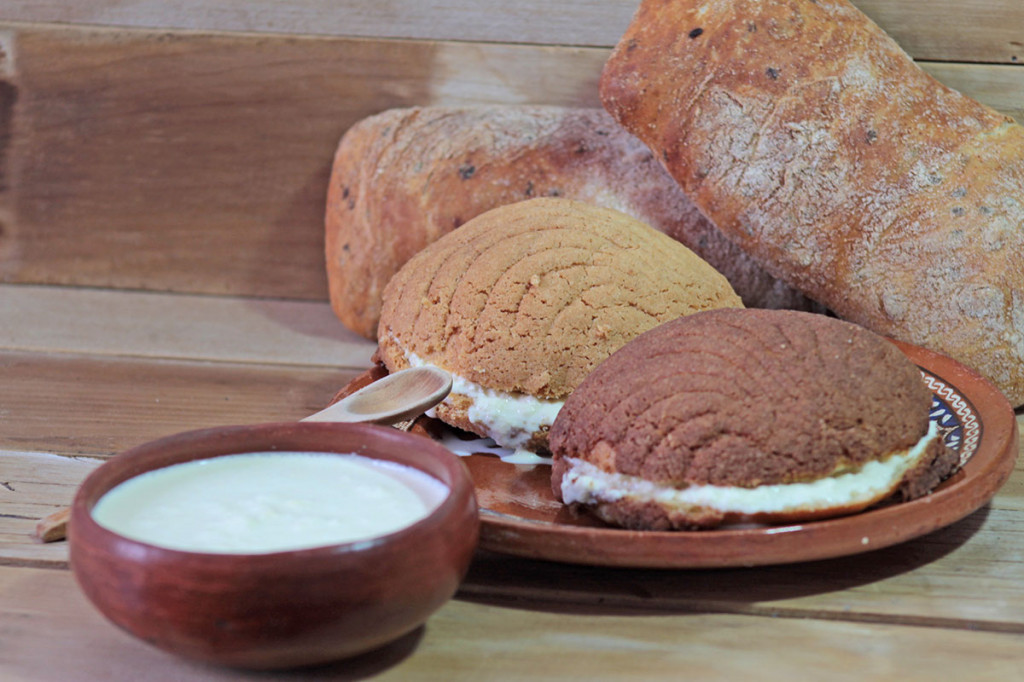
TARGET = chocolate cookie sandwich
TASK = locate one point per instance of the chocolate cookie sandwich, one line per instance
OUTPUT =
(746, 416)
(523, 301)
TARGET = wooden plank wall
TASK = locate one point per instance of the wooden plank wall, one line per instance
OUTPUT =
(185, 147)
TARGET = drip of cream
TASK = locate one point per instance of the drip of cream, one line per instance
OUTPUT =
(587, 484)
(509, 419)
(487, 446)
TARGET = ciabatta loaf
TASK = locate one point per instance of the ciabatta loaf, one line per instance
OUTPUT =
(812, 140)
(404, 177)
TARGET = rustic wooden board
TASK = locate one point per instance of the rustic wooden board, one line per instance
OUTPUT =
(34, 485)
(185, 147)
(970, 575)
(52, 632)
(68, 389)
(198, 162)
(930, 581)
(93, 372)
(923, 582)
(980, 31)
(962, 582)
(53, 319)
(1000, 87)
(943, 30)
(84, 405)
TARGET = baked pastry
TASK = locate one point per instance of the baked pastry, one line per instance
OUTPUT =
(815, 143)
(521, 302)
(404, 177)
(746, 415)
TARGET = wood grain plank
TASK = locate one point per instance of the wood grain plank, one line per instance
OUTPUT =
(944, 30)
(566, 22)
(198, 163)
(34, 485)
(51, 319)
(983, 31)
(969, 575)
(1011, 495)
(473, 641)
(90, 362)
(167, 161)
(82, 405)
(1000, 87)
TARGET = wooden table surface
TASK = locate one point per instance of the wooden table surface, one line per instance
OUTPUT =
(162, 177)
(86, 373)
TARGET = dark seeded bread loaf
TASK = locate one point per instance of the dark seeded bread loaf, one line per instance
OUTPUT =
(811, 140)
(404, 177)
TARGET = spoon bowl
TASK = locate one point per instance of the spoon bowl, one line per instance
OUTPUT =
(393, 398)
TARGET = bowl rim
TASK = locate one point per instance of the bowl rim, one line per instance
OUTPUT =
(219, 441)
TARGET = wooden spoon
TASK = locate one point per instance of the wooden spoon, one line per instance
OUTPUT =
(394, 399)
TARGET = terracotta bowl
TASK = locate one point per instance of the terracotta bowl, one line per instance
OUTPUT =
(284, 609)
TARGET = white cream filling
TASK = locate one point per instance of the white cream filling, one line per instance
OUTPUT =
(587, 484)
(510, 419)
(264, 502)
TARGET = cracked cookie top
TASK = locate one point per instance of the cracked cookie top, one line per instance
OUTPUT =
(745, 398)
(530, 297)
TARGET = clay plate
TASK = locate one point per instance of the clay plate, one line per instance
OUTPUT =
(519, 514)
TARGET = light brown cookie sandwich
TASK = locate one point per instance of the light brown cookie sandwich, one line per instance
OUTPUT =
(746, 415)
(523, 301)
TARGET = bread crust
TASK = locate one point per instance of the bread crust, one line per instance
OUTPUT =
(528, 298)
(404, 177)
(815, 143)
(745, 399)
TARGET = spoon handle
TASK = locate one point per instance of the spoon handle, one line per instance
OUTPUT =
(53, 527)
(335, 412)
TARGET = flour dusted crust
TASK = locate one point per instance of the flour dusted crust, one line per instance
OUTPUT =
(528, 298)
(746, 398)
(815, 143)
(404, 177)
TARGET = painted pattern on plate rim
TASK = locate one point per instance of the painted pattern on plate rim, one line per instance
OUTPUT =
(958, 421)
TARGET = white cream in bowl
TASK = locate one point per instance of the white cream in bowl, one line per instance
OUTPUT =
(264, 502)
